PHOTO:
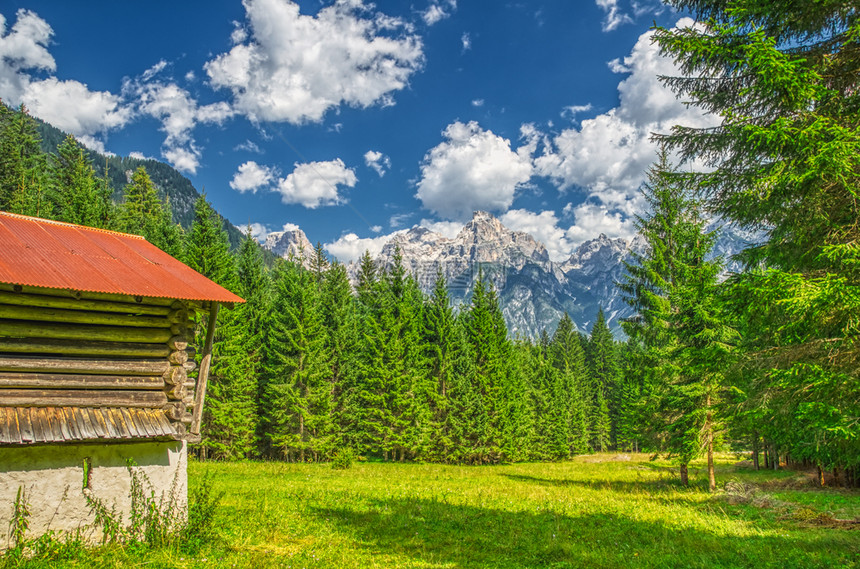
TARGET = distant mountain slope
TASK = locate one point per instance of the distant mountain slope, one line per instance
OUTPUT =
(167, 179)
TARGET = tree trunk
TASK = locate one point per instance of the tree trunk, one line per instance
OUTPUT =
(774, 458)
(755, 450)
(684, 478)
(766, 456)
(820, 476)
(302, 437)
(712, 481)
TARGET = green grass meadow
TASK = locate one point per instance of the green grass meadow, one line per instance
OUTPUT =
(601, 511)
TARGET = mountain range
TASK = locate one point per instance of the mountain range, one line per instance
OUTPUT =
(534, 291)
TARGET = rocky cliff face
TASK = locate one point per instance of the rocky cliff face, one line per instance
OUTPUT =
(534, 291)
(290, 242)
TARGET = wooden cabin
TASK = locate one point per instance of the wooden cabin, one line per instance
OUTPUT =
(95, 368)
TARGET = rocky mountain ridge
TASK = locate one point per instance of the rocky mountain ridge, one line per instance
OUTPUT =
(534, 291)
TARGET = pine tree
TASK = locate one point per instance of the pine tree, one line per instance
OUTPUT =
(299, 410)
(23, 186)
(233, 408)
(439, 344)
(604, 373)
(487, 334)
(143, 213)
(678, 321)
(567, 356)
(207, 249)
(80, 198)
(340, 318)
(782, 79)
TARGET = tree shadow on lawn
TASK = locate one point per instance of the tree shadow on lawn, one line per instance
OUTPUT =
(436, 532)
(653, 489)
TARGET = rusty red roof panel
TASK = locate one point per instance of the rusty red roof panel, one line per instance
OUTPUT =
(51, 254)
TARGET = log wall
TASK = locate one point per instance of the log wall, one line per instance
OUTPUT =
(66, 349)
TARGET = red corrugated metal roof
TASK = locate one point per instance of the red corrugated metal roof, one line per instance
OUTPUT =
(51, 254)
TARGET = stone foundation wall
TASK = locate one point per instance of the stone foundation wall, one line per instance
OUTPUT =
(53, 478)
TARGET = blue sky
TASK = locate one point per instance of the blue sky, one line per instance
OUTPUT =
(354, 120)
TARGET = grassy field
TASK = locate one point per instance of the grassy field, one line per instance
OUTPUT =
(594, 511)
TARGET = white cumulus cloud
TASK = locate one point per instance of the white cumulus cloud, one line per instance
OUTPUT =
(316, 184)
(179, 114)
(378, 161)
(258, 231)
(449, 229)
(251, 176)
(614, 16)
(436, 12)
(287, 66)
(608, 155)
(351, 247)
(472, 169)
(69, 105)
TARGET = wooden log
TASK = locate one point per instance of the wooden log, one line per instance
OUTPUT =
(20, 380)
(175, 375)
(174, 411)
(100, 296)
(80, 398)
(178, 343)
(20, 329)
(45, 301)
(176, 392)
(83, 365)
(181, 316)
(83, 348)
(39, 314)
(190, 365)
(178, 357)
(203, 376)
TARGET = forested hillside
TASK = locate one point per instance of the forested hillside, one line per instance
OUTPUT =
(169, 182)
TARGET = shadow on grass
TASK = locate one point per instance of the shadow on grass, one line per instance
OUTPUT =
(436, 532)
(645, 486)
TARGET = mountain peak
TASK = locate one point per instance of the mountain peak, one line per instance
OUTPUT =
(291, 241)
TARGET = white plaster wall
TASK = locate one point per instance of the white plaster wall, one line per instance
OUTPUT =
(52, 477)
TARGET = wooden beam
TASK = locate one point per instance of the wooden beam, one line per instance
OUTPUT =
(45, 301)
(79, 381)
(83, 348)
(40, 314)
(203, 376)
(80, 398)
(86, 295)
(19, 329)
(81, 365)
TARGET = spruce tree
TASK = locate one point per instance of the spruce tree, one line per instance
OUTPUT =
(491, 350)
(678, 321)
(80, 198)
(782, 79)
(23, 185)
(568, 358)
(604, 374)
(299, 409)
(143, 213)
(439, 344)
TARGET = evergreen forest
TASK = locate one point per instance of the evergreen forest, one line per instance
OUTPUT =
(313, 367)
